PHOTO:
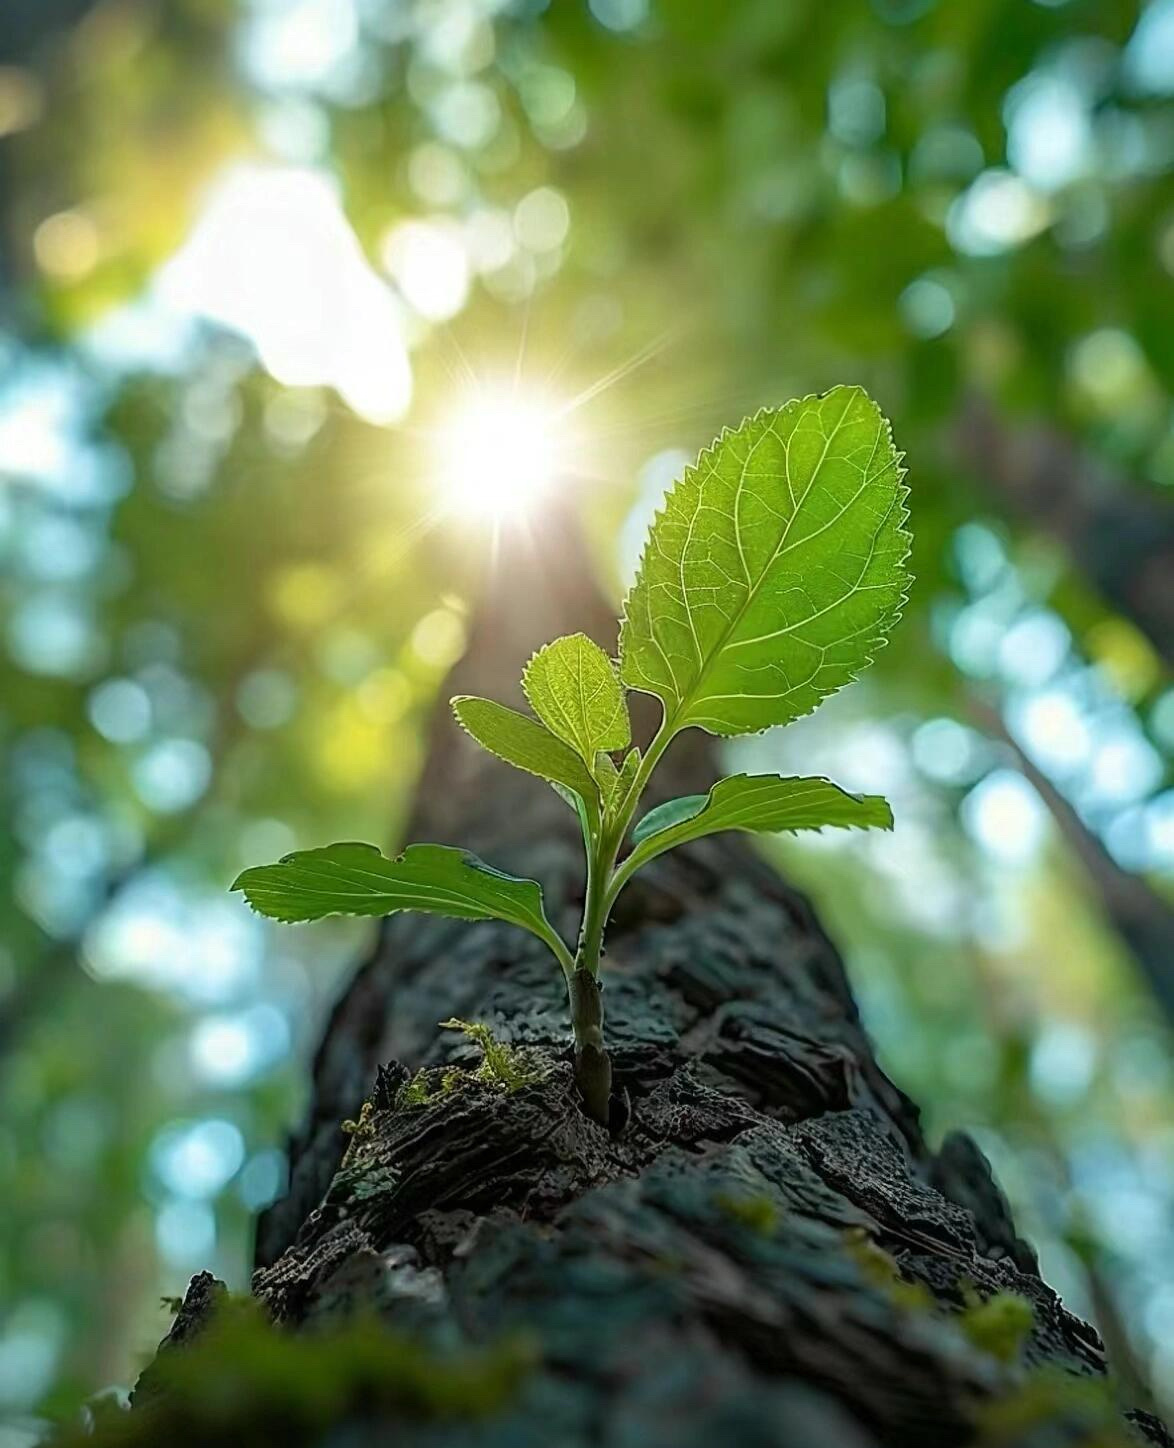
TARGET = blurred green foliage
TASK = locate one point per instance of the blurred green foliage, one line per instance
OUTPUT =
(253, 256)
(290, 1388)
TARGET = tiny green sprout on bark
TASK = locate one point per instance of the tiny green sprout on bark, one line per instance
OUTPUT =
(770, 579)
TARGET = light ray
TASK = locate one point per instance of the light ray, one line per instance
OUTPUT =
(622, 369)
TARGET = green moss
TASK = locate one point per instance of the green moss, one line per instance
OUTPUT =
(501, 1065)
(881, 1269)
(1000, 1325)
(418, 1091)
(245, 1382)
(357, 1130)
(755, 1211)
(363, 1126)
(429, 1085)
(1076, 1410)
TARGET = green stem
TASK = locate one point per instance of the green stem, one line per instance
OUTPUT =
(592, 1063)
(620, 878)
(594, 917)
(660, 742)
(601, 863)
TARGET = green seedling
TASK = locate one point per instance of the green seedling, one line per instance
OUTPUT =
(770, 579)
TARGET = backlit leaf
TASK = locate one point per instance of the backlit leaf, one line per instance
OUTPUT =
(356, 879)
(614, 783)
(526, 744)
(776, 569)
(760, 803)
(574, 689)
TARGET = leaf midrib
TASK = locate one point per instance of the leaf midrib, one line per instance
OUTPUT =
(752, 592)
(354, 876)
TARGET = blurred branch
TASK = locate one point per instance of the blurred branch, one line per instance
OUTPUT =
(26, 23)
(1118, 535)
(1142, 918)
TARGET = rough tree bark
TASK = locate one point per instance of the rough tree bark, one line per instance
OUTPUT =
(768, 1254)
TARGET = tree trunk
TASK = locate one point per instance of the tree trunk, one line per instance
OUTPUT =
(767, 1254)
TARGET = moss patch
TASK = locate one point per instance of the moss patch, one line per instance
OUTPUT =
(501, 1065)
(999, 1325)
(756, 1212)
(1068, 1409)
(881, 1269)
(426, 1086)
(246, 1382)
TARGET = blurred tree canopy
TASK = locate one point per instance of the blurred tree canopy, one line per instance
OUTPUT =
(257, 254)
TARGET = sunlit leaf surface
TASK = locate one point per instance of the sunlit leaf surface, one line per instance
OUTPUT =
(759, 803)
(356, 879)
(524, 743)
(573, 687)
(776, 569)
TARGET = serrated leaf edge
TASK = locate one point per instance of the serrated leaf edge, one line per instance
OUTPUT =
(642, 847)
(615, 667)
(468, 860)
(538, 724)
(873, 647)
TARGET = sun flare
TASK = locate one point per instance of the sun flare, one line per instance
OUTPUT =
(499, 452)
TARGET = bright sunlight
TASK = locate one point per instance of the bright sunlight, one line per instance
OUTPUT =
(499, 452)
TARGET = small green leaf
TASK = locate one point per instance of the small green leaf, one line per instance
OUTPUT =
(607, 776)
(528, 745)
(356, 879)
(760, 803)
(574, 689)
(614, 783)
(628, 770)
(775, 571)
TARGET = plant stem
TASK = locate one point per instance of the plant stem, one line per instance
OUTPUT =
(660, 742)
(601, 862)
(557, 946)
(620, 878)
(592, 1063)
(591, 931)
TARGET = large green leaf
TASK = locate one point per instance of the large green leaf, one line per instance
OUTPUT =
(760, 803)
(574, 689)
(356, 879)
(776, 569)
(526, 744)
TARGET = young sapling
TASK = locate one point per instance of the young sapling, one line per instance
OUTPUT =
(771, 577)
